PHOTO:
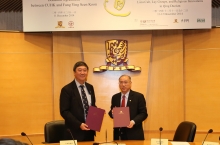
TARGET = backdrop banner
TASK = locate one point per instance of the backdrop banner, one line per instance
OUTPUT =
(89, 15)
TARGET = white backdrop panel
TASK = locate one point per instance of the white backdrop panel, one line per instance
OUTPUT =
(89, 15)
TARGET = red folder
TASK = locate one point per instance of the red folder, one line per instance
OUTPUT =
(94, 118)
(121, 116)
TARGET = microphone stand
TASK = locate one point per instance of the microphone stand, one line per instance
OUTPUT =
(71, 135)
(210, 131)
(105, 140)
(160, 133)
(24, 134)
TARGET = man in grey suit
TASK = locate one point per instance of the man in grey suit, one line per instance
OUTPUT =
(75, 98)
(137, 107)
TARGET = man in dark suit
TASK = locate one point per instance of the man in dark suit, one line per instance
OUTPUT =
(75, 98)
(137, 107)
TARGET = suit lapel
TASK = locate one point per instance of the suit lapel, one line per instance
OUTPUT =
(90, 93)
(130, 97)
(118, 100)
(77, 95)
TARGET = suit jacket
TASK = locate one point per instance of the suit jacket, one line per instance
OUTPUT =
(71, 109)
(138, 112)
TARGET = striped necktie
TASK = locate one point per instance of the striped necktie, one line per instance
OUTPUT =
(84, 100)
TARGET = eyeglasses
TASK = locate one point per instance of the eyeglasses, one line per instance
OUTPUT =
(81, 70)
(121, 82)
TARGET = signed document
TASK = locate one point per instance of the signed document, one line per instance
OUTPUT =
(94, 118)
(121, 116)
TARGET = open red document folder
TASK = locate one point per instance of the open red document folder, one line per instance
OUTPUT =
(94, 118)
(121, 116)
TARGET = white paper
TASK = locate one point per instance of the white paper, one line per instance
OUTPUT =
(157, 141)
(68, 142)
(210, 143)
(112, 143)
(179, 143)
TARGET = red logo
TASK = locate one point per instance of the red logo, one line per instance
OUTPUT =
(71, 24)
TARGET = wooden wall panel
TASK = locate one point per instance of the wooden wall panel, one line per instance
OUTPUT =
(202, 75)
(201, 39)
(179, 84)
(165, 88)
(25, 82)
(106, 83)
(167, 40)
(67, 51)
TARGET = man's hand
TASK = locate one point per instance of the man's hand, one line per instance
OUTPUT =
(83, 126)
(131, 124)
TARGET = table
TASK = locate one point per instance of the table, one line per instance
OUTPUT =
(127, 142)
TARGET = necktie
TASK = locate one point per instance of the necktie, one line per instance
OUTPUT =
(123, 101)
(84, 100)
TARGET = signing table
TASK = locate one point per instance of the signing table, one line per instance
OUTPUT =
(129, 142)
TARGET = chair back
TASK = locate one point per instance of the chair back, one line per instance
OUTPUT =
(54, 131)
(185, 132)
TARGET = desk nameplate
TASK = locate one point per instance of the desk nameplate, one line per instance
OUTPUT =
(157, 141)
(68, 142)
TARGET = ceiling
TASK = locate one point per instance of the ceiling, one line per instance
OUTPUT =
(16, 5)
(215, 3)
(11, 5)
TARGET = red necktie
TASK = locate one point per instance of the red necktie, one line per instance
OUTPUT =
(123, 101)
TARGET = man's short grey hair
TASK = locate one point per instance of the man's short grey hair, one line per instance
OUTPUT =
(126, 76)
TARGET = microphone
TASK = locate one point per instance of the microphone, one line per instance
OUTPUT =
(106, 135)
(210, 131)
(71, 135)
(160, 129)
(24, 134)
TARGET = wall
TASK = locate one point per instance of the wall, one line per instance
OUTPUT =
(179, 78)
(26, 82)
